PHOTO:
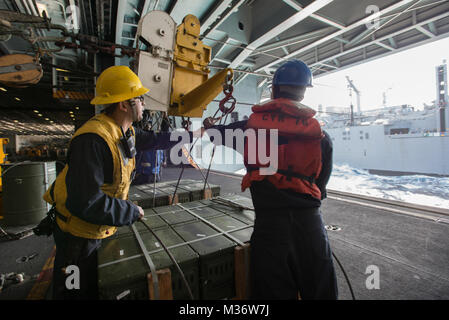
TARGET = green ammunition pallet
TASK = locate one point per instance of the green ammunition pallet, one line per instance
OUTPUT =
(188, 190)
(122, 269)
(204, 234)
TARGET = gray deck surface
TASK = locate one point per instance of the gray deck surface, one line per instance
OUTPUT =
(412, 254)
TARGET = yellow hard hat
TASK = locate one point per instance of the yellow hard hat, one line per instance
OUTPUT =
(116, 84)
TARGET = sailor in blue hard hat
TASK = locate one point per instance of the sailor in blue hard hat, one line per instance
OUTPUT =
(290, 251)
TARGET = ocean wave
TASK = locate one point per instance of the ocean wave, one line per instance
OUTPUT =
(417, 189)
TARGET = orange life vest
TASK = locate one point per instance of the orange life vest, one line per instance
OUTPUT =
(299, 146)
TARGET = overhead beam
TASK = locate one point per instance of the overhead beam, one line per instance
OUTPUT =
(328, 65)
(392, 42)
(223, 16)
(295, 5)
(226, 61)
(358, 37)
(426, 32)
(121, 8)
(386, 37)
(242, 77)
(145, 7)
(338, 33)
(173, 7)
(218, 48)
(433, 28)
(292, 40)
(285, 25)
(341, 40)
(383, 45)
(214, 14)
(395, 16)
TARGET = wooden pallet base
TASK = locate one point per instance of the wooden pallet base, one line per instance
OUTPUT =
(207, 194)
(164, 280)
(241, 264)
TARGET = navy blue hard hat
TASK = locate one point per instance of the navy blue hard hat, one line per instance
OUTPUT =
(293, 73)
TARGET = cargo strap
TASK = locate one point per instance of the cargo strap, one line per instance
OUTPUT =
(107, 264)
(226, 234)
(149, 262)
(171, 258)
(61, 216)
(57, 213)
(52, 191)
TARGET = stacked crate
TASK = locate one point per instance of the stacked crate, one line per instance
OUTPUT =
(202, 236)
(162, 194)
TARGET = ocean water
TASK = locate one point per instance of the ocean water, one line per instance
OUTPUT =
(417, 189)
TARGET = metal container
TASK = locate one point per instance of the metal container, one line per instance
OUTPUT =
(183, 195)
(227, 223)
(244, 215)
(188, 190)
(199, 185)
(236, 198)
(150, 217)
(23, 188)
(193, 204)
(243, 235)
(176, 217)
(136, 195)
(216, 259)
(165, 209)
(206, 212)
(122, 269)
(143, 197)
(184, 182)
(219, 206)
(195, 192)
(206, 255)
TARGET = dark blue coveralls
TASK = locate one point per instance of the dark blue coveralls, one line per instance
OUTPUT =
(290, 250)
(149, 163)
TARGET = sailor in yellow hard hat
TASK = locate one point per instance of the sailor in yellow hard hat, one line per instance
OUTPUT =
(90, 194)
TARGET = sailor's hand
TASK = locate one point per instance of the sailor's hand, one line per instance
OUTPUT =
(141, 213)
(209, 122)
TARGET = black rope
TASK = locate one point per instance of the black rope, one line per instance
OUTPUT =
(183, 168)
(346, 276)
(213, 153)
(172, 259)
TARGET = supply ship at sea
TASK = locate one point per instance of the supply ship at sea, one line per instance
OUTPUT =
(396, 140)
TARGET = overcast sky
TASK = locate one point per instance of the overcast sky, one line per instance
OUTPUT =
(410, 75)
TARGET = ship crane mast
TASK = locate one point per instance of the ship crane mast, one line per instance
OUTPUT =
(351, 87)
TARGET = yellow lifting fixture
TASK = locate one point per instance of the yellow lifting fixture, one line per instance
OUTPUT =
(174, 66)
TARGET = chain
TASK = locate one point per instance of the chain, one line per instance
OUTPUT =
(228, 89)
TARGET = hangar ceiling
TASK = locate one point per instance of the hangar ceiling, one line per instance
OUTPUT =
(251, 36)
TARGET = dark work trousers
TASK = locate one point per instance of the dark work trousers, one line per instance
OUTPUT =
(80, 252)
(290, 254)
